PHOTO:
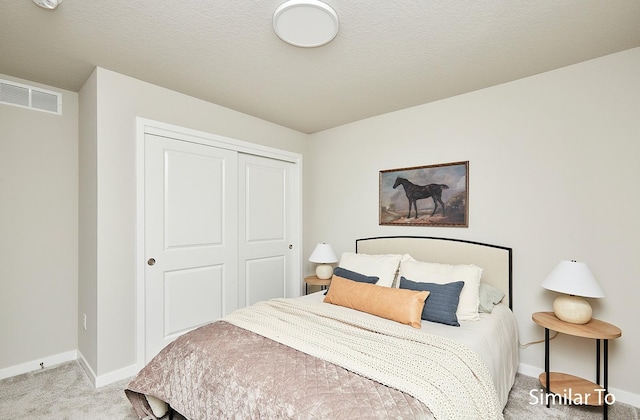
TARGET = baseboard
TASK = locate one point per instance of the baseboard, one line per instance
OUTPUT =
(37, 364)
(117, 375)
(108, 378)
(87, 368)
(620, 395)
(529, 370)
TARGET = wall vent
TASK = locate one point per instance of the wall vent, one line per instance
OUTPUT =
(25, 96)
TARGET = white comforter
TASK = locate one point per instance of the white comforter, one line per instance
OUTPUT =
(494, 337)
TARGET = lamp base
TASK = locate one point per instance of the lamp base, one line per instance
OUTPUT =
(324, 271)
(572, 309)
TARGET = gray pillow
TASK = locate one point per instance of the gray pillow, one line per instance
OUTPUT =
(489, 297)
(352, 275)
(442, 303)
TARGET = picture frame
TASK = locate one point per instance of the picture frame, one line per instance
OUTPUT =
(430, 195)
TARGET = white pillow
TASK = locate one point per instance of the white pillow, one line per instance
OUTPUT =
(405, 257)
(384, 266)
(427, 272)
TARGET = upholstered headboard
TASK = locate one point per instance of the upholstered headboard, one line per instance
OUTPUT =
(495, 261)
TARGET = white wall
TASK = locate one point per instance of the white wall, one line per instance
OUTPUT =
(118, 100)
(38, 234)
(553, 174)
(88, 221)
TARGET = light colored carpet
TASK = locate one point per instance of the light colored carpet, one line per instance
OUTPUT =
(64, 392)
(522, 405)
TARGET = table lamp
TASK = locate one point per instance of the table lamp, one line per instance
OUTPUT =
(574, 280)
(323, 255)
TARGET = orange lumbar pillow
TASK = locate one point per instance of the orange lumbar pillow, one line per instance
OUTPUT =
(401, 305)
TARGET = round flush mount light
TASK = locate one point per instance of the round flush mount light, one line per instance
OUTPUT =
(305, 23)
(48, 4)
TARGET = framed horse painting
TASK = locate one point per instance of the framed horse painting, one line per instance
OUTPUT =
(432, 195)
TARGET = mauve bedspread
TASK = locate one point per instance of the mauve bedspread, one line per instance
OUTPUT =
(221, 371)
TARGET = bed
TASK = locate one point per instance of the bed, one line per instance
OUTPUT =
(373, 346)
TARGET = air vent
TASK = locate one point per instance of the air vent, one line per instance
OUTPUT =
(17, 94)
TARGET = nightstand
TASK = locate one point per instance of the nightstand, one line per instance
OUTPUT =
(579, 390)
(315, 281)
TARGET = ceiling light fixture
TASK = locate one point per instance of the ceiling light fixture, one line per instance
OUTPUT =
(48, 4)
(305, 23)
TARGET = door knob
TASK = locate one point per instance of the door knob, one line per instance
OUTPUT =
(290, 246)
(151, 261)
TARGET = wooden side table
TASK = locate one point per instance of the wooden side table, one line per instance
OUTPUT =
(581, 391)
(315, 281)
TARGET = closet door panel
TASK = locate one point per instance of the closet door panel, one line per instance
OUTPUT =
(190, 237)
(265, 228)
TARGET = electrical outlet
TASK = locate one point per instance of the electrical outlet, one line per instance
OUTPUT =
(84, 322)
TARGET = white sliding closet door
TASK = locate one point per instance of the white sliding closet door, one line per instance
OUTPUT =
(222, 223)
(191, 236)
(267, 225)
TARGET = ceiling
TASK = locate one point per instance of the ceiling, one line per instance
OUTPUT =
(388, 55)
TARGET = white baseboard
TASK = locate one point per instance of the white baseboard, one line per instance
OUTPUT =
(529, 370)
(87, 368)
(44, 362)
(115, 376)
(620, 395)
(109, 378)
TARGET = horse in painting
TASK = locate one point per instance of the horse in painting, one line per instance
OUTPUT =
(416, 192)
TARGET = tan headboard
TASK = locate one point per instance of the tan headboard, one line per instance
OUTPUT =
(496, 261)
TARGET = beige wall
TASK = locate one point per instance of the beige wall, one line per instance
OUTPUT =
(88, 221)
(553, 174)
(118, 101)
(38, 233)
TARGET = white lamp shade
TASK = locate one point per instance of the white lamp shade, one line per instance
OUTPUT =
(573, 278)
(323, 254)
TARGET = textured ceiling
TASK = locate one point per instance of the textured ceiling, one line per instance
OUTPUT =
(388, 55)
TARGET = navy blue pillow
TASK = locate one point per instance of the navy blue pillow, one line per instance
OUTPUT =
(352, 275)
(442, 303)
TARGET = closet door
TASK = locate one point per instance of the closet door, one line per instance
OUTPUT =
(190, 237)
(267, 229)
